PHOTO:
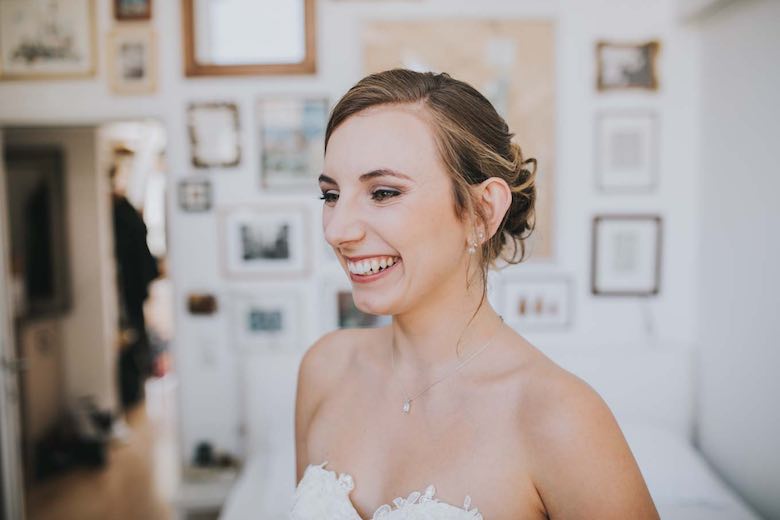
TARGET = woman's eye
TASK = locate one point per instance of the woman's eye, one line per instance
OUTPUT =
(329, 197)
(384, 194)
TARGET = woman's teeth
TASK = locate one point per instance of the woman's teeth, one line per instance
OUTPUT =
(371, 265)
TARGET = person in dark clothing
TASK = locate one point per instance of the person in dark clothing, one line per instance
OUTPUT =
(136, 268)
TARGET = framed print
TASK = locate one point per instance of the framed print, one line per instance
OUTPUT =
(626, 151)
(531, 304)
(132, 60)
(267, 320)
(195, 195)
(338, 307)
(247, 37)
(494, 59)
(132, 9)
(47, 39)
(626, 65)
(214, 134)
(626, 255)
(265, 241)
(292, 140)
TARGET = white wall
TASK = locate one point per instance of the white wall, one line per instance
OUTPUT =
(740, 245)
(205, 358)
(89, 330)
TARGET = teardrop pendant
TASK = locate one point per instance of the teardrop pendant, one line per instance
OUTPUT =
(407, 406)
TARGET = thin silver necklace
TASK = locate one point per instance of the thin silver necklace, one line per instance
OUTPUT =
(407, 405)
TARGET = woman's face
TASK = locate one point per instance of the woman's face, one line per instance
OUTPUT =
(386, 195)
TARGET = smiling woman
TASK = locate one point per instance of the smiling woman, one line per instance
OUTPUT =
(423, 192)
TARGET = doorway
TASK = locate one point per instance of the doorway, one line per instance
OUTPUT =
(89, 298)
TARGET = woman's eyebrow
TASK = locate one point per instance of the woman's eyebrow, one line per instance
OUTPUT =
(381, 172)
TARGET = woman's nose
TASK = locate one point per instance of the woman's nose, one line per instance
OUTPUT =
(342, 224)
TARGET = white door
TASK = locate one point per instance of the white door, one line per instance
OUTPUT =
(10, 433)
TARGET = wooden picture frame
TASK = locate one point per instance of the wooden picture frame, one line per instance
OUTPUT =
(215, 134)
(626, 255)
(132, 60)
(131, 10)
(627, 66)
(28, 50)
(237, 65)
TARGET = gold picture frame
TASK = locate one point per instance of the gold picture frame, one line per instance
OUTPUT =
(627, 65)
(132, 60)
(194, 66)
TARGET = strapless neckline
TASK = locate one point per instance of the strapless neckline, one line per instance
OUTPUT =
(415, 498)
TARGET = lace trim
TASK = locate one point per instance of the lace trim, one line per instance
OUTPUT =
(347, 483)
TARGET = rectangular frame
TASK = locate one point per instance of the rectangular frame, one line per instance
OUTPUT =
(18, 19)
(626, 151)
(538, 303)
(119, 64)
(215, 134)
(193, 68)
(638, 69)
(268, 321)
(338, 309)
(630, 263)
(121, 13)
(246, 250)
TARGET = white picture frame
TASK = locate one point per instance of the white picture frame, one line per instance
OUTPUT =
(267, 322)
(626, 258)
(291, 137)
(132, 60)
(29, 49)
(626, 152)
(538, 303)
(214, 130)
(269, 241)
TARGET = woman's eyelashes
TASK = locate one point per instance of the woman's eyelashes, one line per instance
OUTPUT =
(378, 195)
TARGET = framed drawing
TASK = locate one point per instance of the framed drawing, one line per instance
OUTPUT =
(626, 255)
(338, 307)
(214, 134)
(267, 321)
(292, 139)
(195, 195)
(626, 151)
(265, 241)
(537, 304)
(47, 39)
(132, 60)
(495, 60)
(626, 65)
(132, 9)
(247, 37)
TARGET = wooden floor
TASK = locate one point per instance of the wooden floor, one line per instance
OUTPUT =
(138, 483)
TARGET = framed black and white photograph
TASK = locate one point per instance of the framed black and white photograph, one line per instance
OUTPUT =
(338, 309)
(291, 134)
(626, 151)
(537, 303)
(270, 241)
(195, 195)
(267, 321)
(47, 39)
(214, 131)
(132, 9)
(626, 255)
(132, 60)
(627, 65)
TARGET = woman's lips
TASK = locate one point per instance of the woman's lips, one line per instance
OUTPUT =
(365, 278)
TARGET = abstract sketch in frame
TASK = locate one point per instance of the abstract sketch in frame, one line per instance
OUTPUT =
(47, 39)
(541, 303)
(270, 241)
(626, 255)
(132, 60)
(269, 320)
(626, 151)
(214, 134)
(132, 9)
(622, 65)
(291, 134)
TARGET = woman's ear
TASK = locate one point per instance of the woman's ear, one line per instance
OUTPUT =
(494, 197)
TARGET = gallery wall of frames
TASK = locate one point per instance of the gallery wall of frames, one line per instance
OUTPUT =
(601, 93)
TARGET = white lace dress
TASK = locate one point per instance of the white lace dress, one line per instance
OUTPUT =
(323, 495)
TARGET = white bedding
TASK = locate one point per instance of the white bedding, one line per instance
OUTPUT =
(681, 483)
